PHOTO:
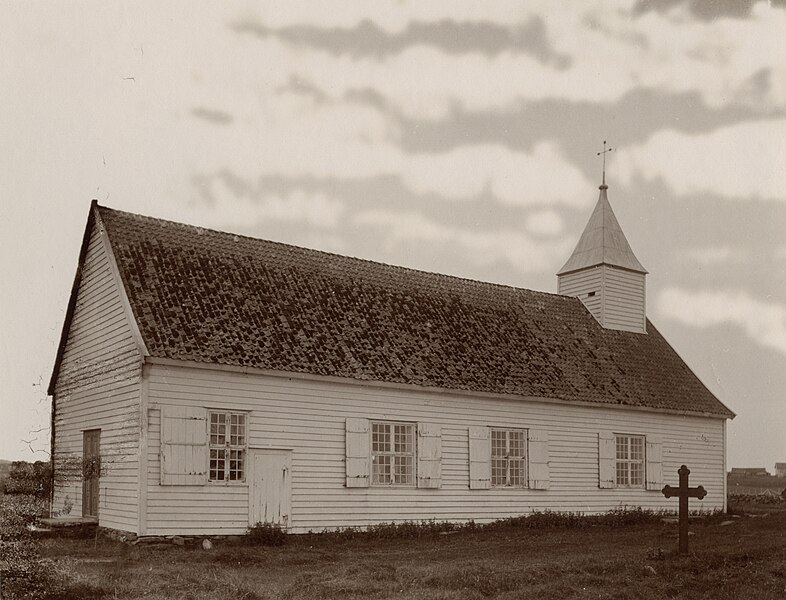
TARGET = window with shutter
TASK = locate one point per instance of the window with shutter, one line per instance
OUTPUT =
(392, 453)
(508, 458)
(627, 460)
(227, 446)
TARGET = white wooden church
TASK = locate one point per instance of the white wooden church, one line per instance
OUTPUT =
(221, 381)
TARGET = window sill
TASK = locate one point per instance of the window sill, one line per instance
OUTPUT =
(386, 486)
(228, 483)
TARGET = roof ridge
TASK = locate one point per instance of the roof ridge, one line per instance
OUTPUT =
(447, 276)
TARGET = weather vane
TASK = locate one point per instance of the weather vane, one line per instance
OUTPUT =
(605, 150)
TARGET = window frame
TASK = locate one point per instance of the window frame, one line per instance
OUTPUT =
(523, 475)
(412, 455)
(627, 461)
(228, 447)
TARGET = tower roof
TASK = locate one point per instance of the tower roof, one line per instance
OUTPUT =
(602, 242)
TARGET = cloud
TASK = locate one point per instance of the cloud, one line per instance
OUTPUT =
(515, 178)
(392, 17)
(704, 10)
(233, 206)
(717, 255)
(607, 50)
(746, 160)
(544, 222)
(481, 248)
(367, 38)
(212, 115)
(763, 322)
(305, 138)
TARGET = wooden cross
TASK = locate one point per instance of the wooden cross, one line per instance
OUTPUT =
(604, 159)
(684, 492)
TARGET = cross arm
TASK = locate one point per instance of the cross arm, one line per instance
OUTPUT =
(697, 492)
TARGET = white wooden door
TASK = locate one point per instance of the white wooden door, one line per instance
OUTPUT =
(270, 487)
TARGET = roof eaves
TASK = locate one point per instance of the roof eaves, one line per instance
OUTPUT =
(303, 375)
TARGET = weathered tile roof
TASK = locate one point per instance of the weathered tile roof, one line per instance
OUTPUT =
(213, 297)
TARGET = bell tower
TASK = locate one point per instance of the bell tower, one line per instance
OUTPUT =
(604, 273)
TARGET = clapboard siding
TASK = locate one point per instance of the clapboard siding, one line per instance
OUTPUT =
(308, 417)
(581, 283)
(619, 300)
(98, 387)
(624, 299)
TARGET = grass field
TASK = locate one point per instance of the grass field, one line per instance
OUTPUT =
(744, 559)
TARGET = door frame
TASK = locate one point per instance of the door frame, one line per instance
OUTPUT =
(91, 487)
(253, 453)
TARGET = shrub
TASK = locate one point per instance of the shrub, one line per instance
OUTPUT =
(23, 572)
(266, 534)
(29, 478)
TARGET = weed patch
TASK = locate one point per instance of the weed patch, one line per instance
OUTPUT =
(623, 516)
(266, 534)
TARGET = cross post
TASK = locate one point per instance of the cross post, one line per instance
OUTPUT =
(683, 492)
(603, 154)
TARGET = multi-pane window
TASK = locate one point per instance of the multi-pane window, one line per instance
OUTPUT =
(509, 457)
(227, 446)
(392, 453)
(630, 460)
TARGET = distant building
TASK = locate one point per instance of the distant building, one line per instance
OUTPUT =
(780, 469)
(748, 471)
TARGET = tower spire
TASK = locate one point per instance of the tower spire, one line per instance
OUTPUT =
(603, 271)
(603, 153)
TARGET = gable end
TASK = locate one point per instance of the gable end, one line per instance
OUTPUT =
(97, 278)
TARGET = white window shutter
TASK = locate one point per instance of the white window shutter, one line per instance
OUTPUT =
(429, 455)
(538, 459)
(607, 466)
(183, 445)
(654, 454)
(479, 458)
(358, 453)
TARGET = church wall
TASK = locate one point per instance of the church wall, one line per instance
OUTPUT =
(308, 415)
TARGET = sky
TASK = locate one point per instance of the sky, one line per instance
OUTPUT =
(456, 137)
